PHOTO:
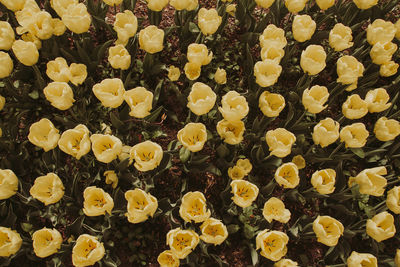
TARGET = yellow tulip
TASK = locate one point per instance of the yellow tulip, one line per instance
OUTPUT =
(192, 70)
(213, 231)
(272, 244)
(231, 9)
(267, 72)
(75, 142)
(46, 242)
(328, 230)
(58, 70)
(295, 6)
(77, 19)
(382, 52)
(10, 241)
(380, 31)
(78, 73)
(201, 98)
(314, 98)
(193, 136)
(303, 27)
(388, 69)
(371, 181)
(151, 39)
(140, 101)
(236, 173)
(182, 242)
(244, 193)
(386, 129)
(231, 131)
(340, 37)
(234, 106)
(48, 189)
(299, 161)
(377, 100)
(7, 36)
(96, 201)
(13, 5)
(286, 263)
(265, 3)
(273, 53)
(184, 4)
(6, 66)
(110, 92)
(125, 25)
(25, 52)
(348, 70)
(280, 142)
(325, 4)
(354, 107)
(173, 73)
(198, 53)
(354, 135)
(274, 209)
(244, 164)
(157, 5)
(326, 132)
(141, 205)
(42, 25)
(61, 6)
(111, 178)
(105, 147)
(167, 259)
(147, 155)
(324, 181)
(58, 26)
(273, 36)
(60, 95)
(43, 134)
(208, 20)
(361, 259)
(87, 251)
(8, 184)
(313, 59)
(381, 226)
(220, 76)
(287, 175)
(119, 57)
(194, 207)
(393, 199)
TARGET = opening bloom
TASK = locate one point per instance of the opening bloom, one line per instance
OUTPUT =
(340, 37)
(274, 209)
(280, 142)
(324, 181)
(151, 39)
(76, 141)
(231, 131)
(193, 136)
(48, 189)
(371, 181)
(287, 175)
(46, 242)
(267, 72)
(208, 20)
(194, 207)
(201, 98)
(10, 241)
(147, 155)
(244, 193)
(234, 106)
(140, 101)
(43, 134)
(182, 242)
(110, 92)
(361, 259)
(8, 183)
(272, 244)
(198, 54)
(354, 107)
(60, 95)
(314, 98)
(328, 230)
(87, 251)
(167, 259)
(213, 231)
(303, 27)
(96, 201)
(354, 135)
(381, 226)
(141, 205)
(105, 147)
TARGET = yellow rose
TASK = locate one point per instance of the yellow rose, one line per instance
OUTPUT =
(361, 259)
(151, 39)
(324, 181)
(25, 52)
(234, 106)
(386, 129)
(213, 231)
(58, 70)
(119, 57)
(140, 101)
(265, 3)
(244, 164)
(7, 36)
(43, 134)
(381, 226)
(61, 6)
(382, 52)
(380, 31)
(354, 107)
(2, 102)
(125, 153)
(194, 207)
(125, 25)
(174, 73)
(167, 259)
(273, 36)
(105, 147)
(96, 202)
(267, 72)
(295, 6)
(371, 181)
(231, 131)
(76, 18)
(58, 26)
(147, 155)
(48, 189)
(236, 173)
(184, 4)
(328, 230)
(201, 98)
(280, 142)
(192, 70)
(274, 209)
(220, 76)
(198, 53)
(325, 4)
(13, 5)
(208, 20)
(354, 135)
(287, 175)
(393, 199)
(78, 73)
(303, 27)
(312, 59)
(193, 136)
(326, 132)
(286, 263)
(6, 66)
(273, 53)
(388, 69)
(8, 183)
(110, 92)
(365, 4)
(46, 242)
(157, 5)
(244, 193)
(41, 26)
(314, 98)
(10, 241)
(113, 2)
(299, 161)
(272, 244)
(182, 242)
(349, 69)
(111, 178)
(340, 37)
(60, 95)
(141, 205)
(377, 100)
(231, 9)
(75, 142)
(87, 251)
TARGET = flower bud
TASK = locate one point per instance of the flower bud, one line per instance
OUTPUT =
(58, 70)
(78, 73)
(220, 76)
(157, 5)
(314, 98)
(265, 3)
(140, 101)
(174, 73)
(393, 199)
(201, 98)
(192, 70)
(198, 53)
(295, 6)
(349, 69)
(325, 4)
(272, 53)
(26, 52)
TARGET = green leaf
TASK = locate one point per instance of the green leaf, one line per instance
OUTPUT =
(359, 152)
(184, 154)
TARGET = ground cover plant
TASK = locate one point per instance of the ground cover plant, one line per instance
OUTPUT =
(199, 133)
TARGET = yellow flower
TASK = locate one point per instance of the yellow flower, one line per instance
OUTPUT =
(361, 259)
(371, 181)
(312, 59)
(28, 37)
(76, 18)
(194, 207)
(220, 76)
(198, 53)
(58, 70)
(141, 205)
(8, 183)
(295, 6)
(380, 31)
(324, 181)
(272, 52)
(2, 102)
(325, 4)
(272, 244)
(26, 52)
(192, 70)
(111, 178)
(397, 25)
(377, 100)
(393, 199)
(287, 175)
(87, 251)
(273, 36)
(354, 135)
(208, 20)
(381, 226)
(213, 231)
(43, 134)
(140, 101)
(105, 147)
(75, 142)
(13, 5)
(274, 209)
(280, 142)
(386, 129)
(231, 131)
(234, 106)
(113, 2)
(349, 69)
(314, 98)
(119, 57)
(125, 153)
(303, 27)
(6, 66)
(326, 132)
(157, 5)
(244, 164)
(286, 262)
(167, 259)
(60, 6)
(110, 92)
(299, 161)
(41, 26)
(382, 52)
(265, 3)
(58, 26)
(184, 4)
(174, 73)
(125, 25)
(7, 36)
(244, 193)
(267, 72)
(78, 73)
(48, 189)
(340, 37)
(10, 241)
(231, 9)
(151, 39)
(147, 155)
(96, 202)
(46, 242)
(182, 242)
(328, 230)
(60, 95)
(365, 4)
(236, 173)
(201, 98)
(388, 69)
(354, 107)
(193, 136)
